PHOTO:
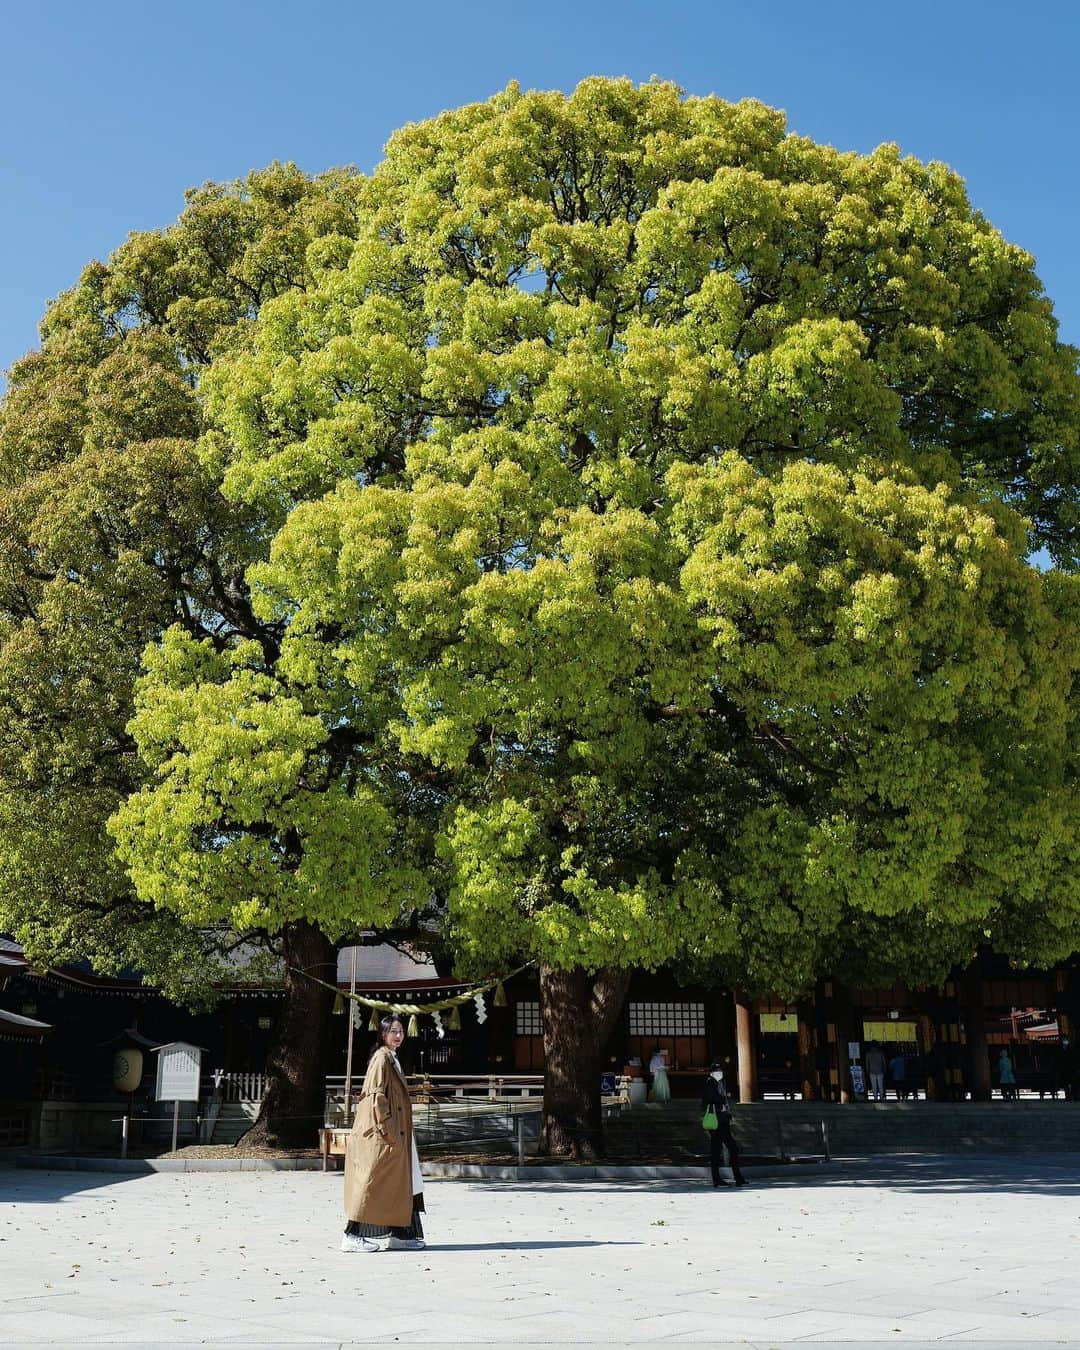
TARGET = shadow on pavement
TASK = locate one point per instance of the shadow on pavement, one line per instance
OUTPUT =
(38, 1186)
(1021, 1174)
(523, 1246)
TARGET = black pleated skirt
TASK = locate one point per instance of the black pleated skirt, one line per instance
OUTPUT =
(373, 1230)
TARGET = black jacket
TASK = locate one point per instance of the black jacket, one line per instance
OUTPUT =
(715, 1094)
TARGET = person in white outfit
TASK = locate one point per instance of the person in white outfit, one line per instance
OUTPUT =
(661, 1088)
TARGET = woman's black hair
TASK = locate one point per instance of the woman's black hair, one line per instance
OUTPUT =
(385, 1023)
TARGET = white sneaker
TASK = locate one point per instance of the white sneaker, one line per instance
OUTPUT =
(397, 1244)
(354, 1242)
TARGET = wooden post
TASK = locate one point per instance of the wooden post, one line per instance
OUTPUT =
(927, 1042)
(978, 1054)
(722, 1034)
(175, 1124)
(349, 1043)
(745, 1048)
(808, 1076)
(843, 1020)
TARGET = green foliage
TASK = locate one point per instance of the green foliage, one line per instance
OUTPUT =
(114, 527)
(645, 486)
(625, 506)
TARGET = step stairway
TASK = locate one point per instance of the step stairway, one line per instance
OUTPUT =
(233, 1119)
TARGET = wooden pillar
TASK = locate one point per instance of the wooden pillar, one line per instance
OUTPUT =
(978, 1055)
(1067, 982)
(722, 1041)
(827, 1081)
(808, 1071)
(745, 1048)
(843, 1020)
(927, 1056)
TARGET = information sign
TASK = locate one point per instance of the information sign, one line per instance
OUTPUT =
(178, 1072)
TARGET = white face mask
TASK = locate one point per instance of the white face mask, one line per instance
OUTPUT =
(718, 1074)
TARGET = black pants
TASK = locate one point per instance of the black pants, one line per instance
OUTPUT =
(719, 1139)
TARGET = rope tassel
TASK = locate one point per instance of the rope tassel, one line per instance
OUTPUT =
(452, 1005)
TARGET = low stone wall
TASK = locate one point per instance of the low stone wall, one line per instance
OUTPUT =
(78, 1126)
(916, 1127)
(803, 1129)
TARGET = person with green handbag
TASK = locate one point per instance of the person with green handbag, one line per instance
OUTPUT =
(716, 1121)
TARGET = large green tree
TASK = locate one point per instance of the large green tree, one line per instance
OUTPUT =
(648, 495)
(114, 528)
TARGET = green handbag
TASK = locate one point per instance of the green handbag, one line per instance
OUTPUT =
(709, 1120)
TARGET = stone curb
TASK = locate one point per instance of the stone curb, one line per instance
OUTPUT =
(44, 1162)
(443, 1171)
(490, 1343)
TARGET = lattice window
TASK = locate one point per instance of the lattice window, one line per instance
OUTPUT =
(527, 1020)
(667, 1019)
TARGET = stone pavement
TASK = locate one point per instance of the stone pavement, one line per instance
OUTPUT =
(908, 1250)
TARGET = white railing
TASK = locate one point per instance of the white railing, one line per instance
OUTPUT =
(236, 1087)
(492, 1087)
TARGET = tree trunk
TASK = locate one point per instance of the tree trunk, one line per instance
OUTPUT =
(294, 1100)
(579, 1013)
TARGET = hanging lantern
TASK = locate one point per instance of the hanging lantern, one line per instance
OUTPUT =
(500, 995)
(373, 1020)
(455, 1018)
(339, 1004)
(413, 1029)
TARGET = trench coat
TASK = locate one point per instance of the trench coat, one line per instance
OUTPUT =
(378, 1157)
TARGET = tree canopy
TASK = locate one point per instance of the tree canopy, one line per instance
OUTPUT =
(636, 506)
(113, 528)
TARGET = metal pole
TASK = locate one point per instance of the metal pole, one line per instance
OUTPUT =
(175, 1123)
(124, 1137)
(521, 1139)
(349, 1049)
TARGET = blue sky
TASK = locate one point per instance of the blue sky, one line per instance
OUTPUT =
(110, 110)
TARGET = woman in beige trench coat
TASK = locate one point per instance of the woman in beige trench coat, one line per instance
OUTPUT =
(384, 1188)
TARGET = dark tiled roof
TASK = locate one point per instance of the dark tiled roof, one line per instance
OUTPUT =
(13, 1026)
(377, 964)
